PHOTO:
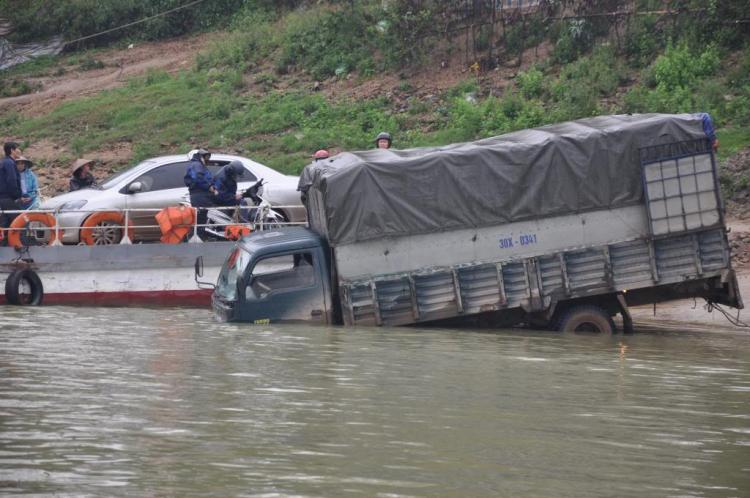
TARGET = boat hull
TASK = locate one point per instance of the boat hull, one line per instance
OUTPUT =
(127, 275)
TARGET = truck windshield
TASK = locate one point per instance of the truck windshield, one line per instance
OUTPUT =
(234, 265)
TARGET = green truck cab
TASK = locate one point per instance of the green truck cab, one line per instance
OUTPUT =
(276, 276)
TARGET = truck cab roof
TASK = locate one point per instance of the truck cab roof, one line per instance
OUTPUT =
(281, 240)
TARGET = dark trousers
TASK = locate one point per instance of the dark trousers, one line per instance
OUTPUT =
(202, 200)
(7, 218)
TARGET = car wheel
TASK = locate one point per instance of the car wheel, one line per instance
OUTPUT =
(106, 233)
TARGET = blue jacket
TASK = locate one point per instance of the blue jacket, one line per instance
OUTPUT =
(31, 190)
(226, 185)
(708, 128)
(197, 178)
(10, 184)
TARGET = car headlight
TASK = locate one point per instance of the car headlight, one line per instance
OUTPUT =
(72, 205)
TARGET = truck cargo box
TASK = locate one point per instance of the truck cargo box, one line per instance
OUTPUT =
(554, 170)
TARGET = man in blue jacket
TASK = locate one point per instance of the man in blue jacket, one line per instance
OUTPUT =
(226, 186)
(10, 184)
(200, 186)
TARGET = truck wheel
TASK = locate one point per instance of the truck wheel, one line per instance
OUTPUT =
(586, 319)
(24, 287)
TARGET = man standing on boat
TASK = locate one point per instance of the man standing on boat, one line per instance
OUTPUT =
(200, 186)
(10, 184)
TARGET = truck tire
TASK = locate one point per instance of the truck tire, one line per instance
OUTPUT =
(586, 319)
(13, 294)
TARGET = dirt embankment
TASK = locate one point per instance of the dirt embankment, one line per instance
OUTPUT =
(119, 65)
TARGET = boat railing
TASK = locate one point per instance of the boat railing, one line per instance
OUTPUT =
(263, 224)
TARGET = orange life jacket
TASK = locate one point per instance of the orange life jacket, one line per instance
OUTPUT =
(175, 222)
(235, 232)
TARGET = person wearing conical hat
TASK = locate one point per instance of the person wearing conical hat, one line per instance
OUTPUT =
(82, 177)
(29, 184)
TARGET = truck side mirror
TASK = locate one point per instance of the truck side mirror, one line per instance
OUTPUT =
(199, 273)
(198, 267)
(135, 187)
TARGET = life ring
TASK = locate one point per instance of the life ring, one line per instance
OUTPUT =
(13, 288)
(14, 237)
(87, 229)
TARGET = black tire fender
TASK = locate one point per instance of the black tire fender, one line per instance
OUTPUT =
(586, 317)
(13, 287)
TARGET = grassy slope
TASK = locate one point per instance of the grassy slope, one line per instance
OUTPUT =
(234, 102)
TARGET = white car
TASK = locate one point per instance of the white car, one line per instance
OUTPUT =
(158, 183)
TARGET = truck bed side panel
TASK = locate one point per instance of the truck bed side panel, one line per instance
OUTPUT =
(493, 243)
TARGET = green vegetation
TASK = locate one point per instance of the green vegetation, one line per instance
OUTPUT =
(36, 20)
(251, 89)
(14, 87)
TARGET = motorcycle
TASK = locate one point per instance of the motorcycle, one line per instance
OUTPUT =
(258, 217)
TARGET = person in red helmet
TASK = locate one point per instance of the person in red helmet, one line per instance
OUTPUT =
(321, 155)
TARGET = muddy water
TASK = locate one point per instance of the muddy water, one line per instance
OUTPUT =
(167, 403)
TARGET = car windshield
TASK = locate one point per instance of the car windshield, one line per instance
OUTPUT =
(115, 179)
(234, 266)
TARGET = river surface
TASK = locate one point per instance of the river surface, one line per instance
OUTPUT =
(155, 403)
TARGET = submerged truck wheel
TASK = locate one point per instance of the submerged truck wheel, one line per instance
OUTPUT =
(586, 319)
(24, 287)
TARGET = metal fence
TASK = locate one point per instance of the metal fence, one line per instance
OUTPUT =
(127, 227)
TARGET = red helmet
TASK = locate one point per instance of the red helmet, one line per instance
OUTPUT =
(321, 154)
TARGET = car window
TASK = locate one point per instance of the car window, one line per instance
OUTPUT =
(215, 167)
(114, 179)
(164, 177)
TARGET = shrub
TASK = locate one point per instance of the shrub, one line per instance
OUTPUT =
(89, 64)
(530, 82)
(326, 42)
(256, 36)
(574, 38)
(678, 67)
(740, 74)
(155, 76)
(640, 42)
(14, 87)
(738, 109)
(483, 40)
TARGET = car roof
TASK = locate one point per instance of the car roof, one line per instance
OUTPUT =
(258, 167)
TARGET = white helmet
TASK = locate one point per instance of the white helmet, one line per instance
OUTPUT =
(191, 154)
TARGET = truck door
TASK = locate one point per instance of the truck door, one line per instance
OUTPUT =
(285, 288)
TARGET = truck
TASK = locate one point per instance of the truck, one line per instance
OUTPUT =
(563, 226)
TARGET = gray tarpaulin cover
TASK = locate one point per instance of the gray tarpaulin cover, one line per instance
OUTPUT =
(553, 170)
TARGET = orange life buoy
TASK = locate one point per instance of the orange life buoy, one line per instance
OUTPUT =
(14, 237)
(87, 229)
